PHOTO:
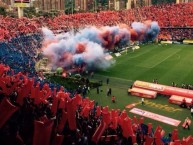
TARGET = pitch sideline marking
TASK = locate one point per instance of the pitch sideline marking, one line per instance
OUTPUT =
(160, 61)
(139, 54)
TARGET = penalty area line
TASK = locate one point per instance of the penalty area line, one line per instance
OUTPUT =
(115, 78)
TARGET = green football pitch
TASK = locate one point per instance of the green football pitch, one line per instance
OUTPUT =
(166, 63)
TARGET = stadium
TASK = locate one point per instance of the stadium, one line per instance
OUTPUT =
(108, 77)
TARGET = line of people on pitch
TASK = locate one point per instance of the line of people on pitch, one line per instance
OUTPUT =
(185, 86)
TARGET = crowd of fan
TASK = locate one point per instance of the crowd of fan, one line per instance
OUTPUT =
(44, 116)
(167, 15)
(178, 34)
(22, 52)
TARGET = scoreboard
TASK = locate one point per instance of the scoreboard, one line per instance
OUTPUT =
(22, 3)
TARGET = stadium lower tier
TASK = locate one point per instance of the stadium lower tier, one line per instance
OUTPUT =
(35, 115)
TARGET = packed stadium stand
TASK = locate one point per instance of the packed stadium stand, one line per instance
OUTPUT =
(167, 15)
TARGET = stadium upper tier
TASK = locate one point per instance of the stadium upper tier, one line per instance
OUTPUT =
(167, 15)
